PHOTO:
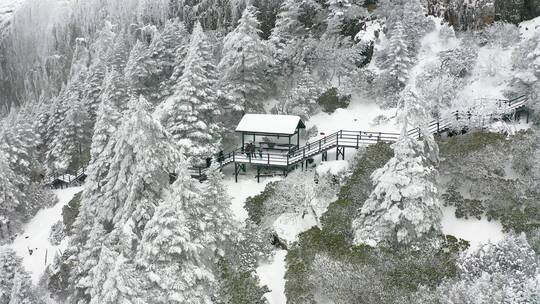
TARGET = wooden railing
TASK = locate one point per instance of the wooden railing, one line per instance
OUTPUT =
(342, 138)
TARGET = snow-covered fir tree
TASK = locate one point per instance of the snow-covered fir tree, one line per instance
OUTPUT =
(19, 141)
(108, 121)
(219, 227)
(164, 47)
(137, 69)
(179, 56)
(190, 114)
(496, 273)
(138, 173)
(398, 60)
(404, 206)
(153, 11)
(10, 185)
(291, 42)
(15, 283)
(118, 54)
(174, 256)
(302, 100)
(245, 64)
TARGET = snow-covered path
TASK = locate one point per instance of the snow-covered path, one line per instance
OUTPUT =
(272, 275)
(36, 236)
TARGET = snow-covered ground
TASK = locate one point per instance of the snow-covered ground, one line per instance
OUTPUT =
(477, 232)
(36, 236)
(358, 116)
(272, 275)
(529, 28)
(247, 186)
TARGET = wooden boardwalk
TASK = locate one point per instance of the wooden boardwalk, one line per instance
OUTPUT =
(339, 140)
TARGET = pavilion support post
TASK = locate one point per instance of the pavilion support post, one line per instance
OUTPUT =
(298, 138)
(237, 168)
(243, 141)
(289, 144)
(258, 174)
(340, 151)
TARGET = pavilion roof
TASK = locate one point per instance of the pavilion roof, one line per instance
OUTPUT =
(270, 124)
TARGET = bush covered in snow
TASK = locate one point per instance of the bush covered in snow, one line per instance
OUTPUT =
(324, 263)
(487, 174)
(70, 212)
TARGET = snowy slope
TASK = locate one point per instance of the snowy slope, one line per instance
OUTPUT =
(7, 8)
(530, 28)
(247, 186)
(272, 275)
(36, 236)
(358, 116)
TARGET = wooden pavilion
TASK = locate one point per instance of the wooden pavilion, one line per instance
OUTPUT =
(269, 131)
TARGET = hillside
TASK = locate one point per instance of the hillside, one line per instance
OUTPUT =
(270, 152)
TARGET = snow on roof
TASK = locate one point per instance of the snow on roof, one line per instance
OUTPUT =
(272, 124)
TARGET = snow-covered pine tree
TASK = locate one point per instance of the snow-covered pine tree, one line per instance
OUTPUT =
(302, 100)
(107, 123)
(142, 157)
(137, 71)
(19, 141)
(336, 15)
(11, 195)
(93, 86)
(113, 100)
(115, 280)
(288, 26)
(176, 262)
(219, 227)
(410, 13)
(180, 54)
(23, 291)
(164, 46)
(92, 90)
(118, 54)
(404, 206)
(71, 149)
(87, 229)
(139, 171)
(71, 125)
(505, 272)
(245, 64)
(167, 53)
(15, 283)
(153, 11)
(291, 43)
(398, 60)
(190, 113)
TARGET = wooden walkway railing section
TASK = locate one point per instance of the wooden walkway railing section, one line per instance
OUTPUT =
(339, 140)
(67, 179)
(350, 139)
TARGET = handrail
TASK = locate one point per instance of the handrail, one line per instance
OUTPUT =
(345, 137)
